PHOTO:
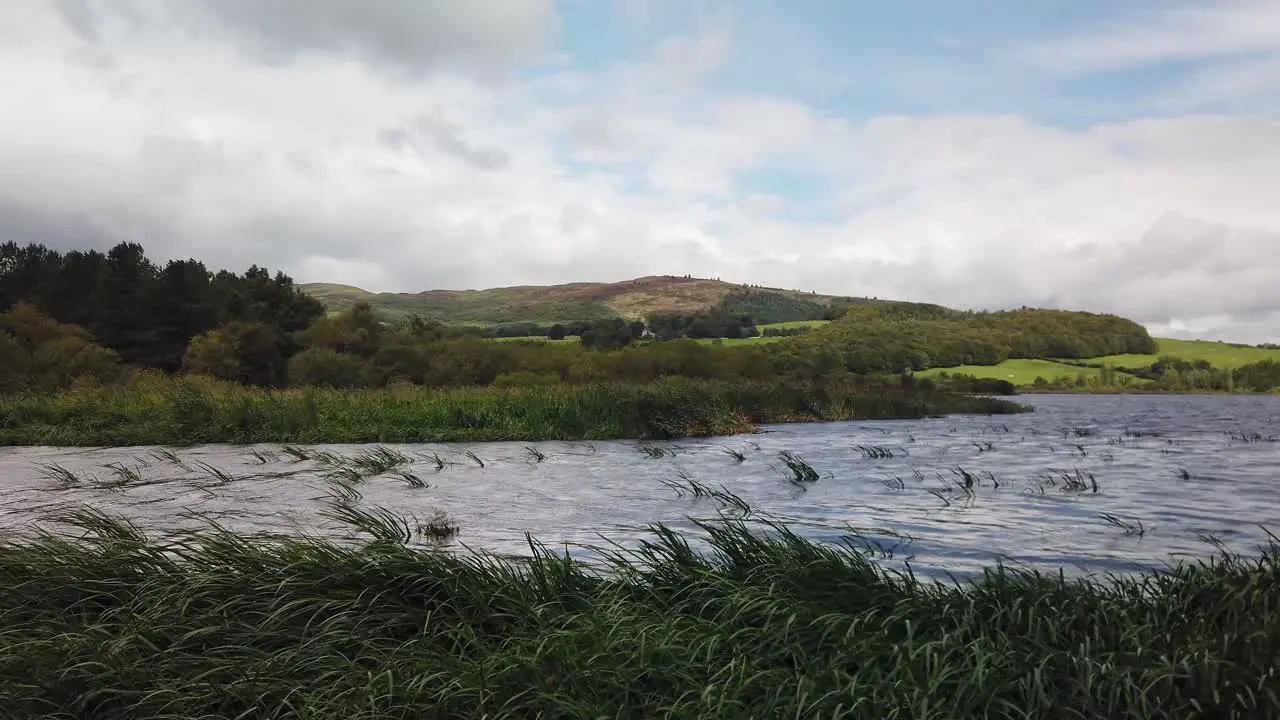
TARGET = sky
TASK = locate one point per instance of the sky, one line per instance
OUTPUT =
(1118, 157)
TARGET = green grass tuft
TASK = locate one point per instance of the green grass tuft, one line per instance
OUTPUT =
(762, 624)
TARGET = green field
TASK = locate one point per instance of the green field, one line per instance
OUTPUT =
(539, 338)
(1219, 354)
(730, 342)
(761, 339)
(794, 324)
(1023, 372)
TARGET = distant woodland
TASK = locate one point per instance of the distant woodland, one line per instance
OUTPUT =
(91, 317)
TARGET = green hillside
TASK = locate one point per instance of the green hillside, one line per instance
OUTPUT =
(574, 302)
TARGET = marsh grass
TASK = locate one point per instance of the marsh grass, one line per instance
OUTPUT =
(436, 461)
(1073, 481)
(157, 410)
(760, 624)
(297, 454)
(122, 476)
(757, 623)
(262, 457)
(687, 486)
(412, 480)
(654, 452)
(800, 472)
(1249, 437)
(737, 455)
(439, 527)
(343, 492)
(1129, 527)
(217, 473)
(876, 452)
(59, 474)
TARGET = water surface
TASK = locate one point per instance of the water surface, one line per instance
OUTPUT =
(1178, 474)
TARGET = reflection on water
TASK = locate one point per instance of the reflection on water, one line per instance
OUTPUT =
(1187, 470)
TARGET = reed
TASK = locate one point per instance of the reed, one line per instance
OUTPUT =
(59, 474)
(412, 480)
(757, 623)
(438, 462)
(262, 457)
(218, 474)
(875, 452)
(152, 410)
(1130, 527)
(122, 476)
(800, 471)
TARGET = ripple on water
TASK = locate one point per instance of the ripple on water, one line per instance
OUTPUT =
(1170, 463)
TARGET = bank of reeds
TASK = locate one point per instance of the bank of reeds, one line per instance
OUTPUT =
(156, 410)
(763, 625)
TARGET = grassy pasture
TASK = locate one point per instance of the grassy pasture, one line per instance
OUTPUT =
(1023, 372)
(793, 324)
(539, 338)
(730, 342)
(1219, 354)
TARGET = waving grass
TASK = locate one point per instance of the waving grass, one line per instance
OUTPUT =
(163, 411)
(764, 624)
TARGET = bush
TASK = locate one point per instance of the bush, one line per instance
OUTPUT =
(323, 367)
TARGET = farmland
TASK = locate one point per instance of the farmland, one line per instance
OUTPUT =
(1218, 354)
(1023, 372)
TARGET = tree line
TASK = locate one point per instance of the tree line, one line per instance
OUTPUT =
(149, 313)
(86, 315)
(892, 337)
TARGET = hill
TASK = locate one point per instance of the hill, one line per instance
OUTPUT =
(631, 299)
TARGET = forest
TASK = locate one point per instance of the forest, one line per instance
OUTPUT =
(892, 337)
(89, 317)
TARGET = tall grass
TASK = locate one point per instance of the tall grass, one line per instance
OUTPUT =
(173, 411)
(763, 624)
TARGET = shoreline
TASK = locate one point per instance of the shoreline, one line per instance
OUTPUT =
(193, 411)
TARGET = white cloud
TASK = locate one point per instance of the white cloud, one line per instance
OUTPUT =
(1185, 30)
(155, 129)
(1234, 45)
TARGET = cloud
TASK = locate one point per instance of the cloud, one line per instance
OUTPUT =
(389, 151)
(479, 35)
(1225, 55)
(1177, 31)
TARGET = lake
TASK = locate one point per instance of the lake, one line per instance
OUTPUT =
(1087, 483)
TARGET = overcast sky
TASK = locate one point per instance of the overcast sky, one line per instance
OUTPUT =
(1093, 154)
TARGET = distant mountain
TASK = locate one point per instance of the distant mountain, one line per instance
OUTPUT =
(557, 303)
